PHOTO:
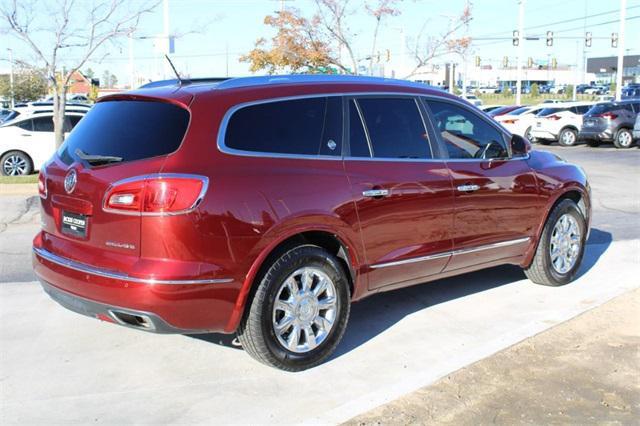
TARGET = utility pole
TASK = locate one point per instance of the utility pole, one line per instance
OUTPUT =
(13, 102)
(619, 72)
(520, 52)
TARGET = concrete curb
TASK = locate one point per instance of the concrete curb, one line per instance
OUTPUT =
(18, 189)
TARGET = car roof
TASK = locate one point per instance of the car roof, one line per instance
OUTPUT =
(183, 93)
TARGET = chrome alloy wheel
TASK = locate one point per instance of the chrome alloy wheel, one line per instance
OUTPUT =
(305, 310)
(14, 165)
(568, 138)
(565, 244)
(625, 139)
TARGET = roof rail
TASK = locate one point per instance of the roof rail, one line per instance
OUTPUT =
(240, 82)
(187, 81)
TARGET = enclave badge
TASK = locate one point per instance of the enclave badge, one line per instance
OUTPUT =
(70, 181)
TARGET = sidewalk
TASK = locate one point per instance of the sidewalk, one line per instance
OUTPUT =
(584, 371)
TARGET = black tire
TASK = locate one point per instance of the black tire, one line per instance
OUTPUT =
(256, 331)
(623, 139)
(568, 137)
(541, 271)
(593, 143)
(527, 134)
(543, 141)
(16, 163)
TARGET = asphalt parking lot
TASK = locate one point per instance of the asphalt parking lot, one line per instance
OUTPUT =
(59, 367)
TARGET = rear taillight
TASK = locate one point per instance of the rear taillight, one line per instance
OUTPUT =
(156, 194)
(42, 185)
(511, 121)
(609, 115)
(553, 117)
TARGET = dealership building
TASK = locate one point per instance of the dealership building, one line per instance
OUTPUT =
(605, 69)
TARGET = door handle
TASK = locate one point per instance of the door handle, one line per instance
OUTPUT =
(468, 187)
(375, 193)
(24, 134)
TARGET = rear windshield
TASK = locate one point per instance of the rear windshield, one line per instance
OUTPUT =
(548, 111)
(520, 111)
(132, 130)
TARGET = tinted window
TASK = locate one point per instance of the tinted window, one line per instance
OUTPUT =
(395, 128)
(548, 111)
(465, 134)
(43, 124)
(522, 110)
(601, 108)
(581, 109)
(26, 125)
(357, 138)
(129, 129)
(302, 126)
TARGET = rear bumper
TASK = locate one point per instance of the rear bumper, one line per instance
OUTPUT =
(599, 135)
(543, 134)
(167, 306)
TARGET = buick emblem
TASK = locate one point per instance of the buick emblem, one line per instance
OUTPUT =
(70, 181)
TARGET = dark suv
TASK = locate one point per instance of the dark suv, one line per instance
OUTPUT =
(610, 122)
(265, 206)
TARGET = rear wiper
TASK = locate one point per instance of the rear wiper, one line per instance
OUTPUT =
(97, 159)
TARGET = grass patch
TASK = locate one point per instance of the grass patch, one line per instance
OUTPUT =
(33, 178)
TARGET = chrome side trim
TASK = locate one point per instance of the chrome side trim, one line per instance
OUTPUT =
(412, 260)
(452, 253)
(203, 191)
(105, 273)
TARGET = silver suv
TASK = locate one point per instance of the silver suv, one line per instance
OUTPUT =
(610, 122)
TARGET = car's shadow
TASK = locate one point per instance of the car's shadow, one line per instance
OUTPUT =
(377, 313)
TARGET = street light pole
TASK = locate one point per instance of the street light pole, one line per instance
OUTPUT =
(11, 77)
(619, 72)
(520, 52)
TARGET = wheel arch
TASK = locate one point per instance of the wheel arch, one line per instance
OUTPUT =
(320, 236)
(576, 193)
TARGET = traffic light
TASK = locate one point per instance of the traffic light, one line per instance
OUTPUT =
(614, 39)
(477, 61)
(549, 38)
(516, 37)
(530, 62)
(587, 39)
(388, 55)
(554, 63)
(505, 62)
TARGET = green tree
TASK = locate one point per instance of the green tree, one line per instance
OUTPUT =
(28, 85)
(113, 80)
(507, 92)
(612, 87)
(568, 91)
(106, 79)
(535, 90)
(89, 73)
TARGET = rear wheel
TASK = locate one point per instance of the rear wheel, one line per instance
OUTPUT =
(299, 311)
(16, 163)
(561, 246)
(568, 137)
(623, 139)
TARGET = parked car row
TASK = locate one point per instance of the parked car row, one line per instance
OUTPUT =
(570, 122)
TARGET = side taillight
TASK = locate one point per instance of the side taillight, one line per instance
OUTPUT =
(156, 194)
(554, 117)
(510, 121)
(42, 185)
(608, 115)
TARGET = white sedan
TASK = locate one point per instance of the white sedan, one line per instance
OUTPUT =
(27, 141)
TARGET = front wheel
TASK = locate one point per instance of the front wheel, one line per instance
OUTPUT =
(560, 248)
(623, 139)
(299, 311)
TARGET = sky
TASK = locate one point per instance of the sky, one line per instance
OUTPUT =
(212, 34)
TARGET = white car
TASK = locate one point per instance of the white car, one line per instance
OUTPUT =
(472, 99)
(560, 122)
(27, 141)
(556, 90)
(521, 121)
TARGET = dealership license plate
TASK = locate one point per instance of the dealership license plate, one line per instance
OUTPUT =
(74, 224)
(589, 123)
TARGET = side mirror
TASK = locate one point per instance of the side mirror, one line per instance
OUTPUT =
(520, 146)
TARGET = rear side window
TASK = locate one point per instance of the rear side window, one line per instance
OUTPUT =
(581, 109)
(311, 126)
(26, 125)
(132, 130)
(43, 124)
(395, 128)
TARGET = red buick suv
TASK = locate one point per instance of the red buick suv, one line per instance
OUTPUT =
(264, 206)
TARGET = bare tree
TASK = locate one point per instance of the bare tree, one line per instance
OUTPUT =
(379, 11)
(55, 31)
(425, 51)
